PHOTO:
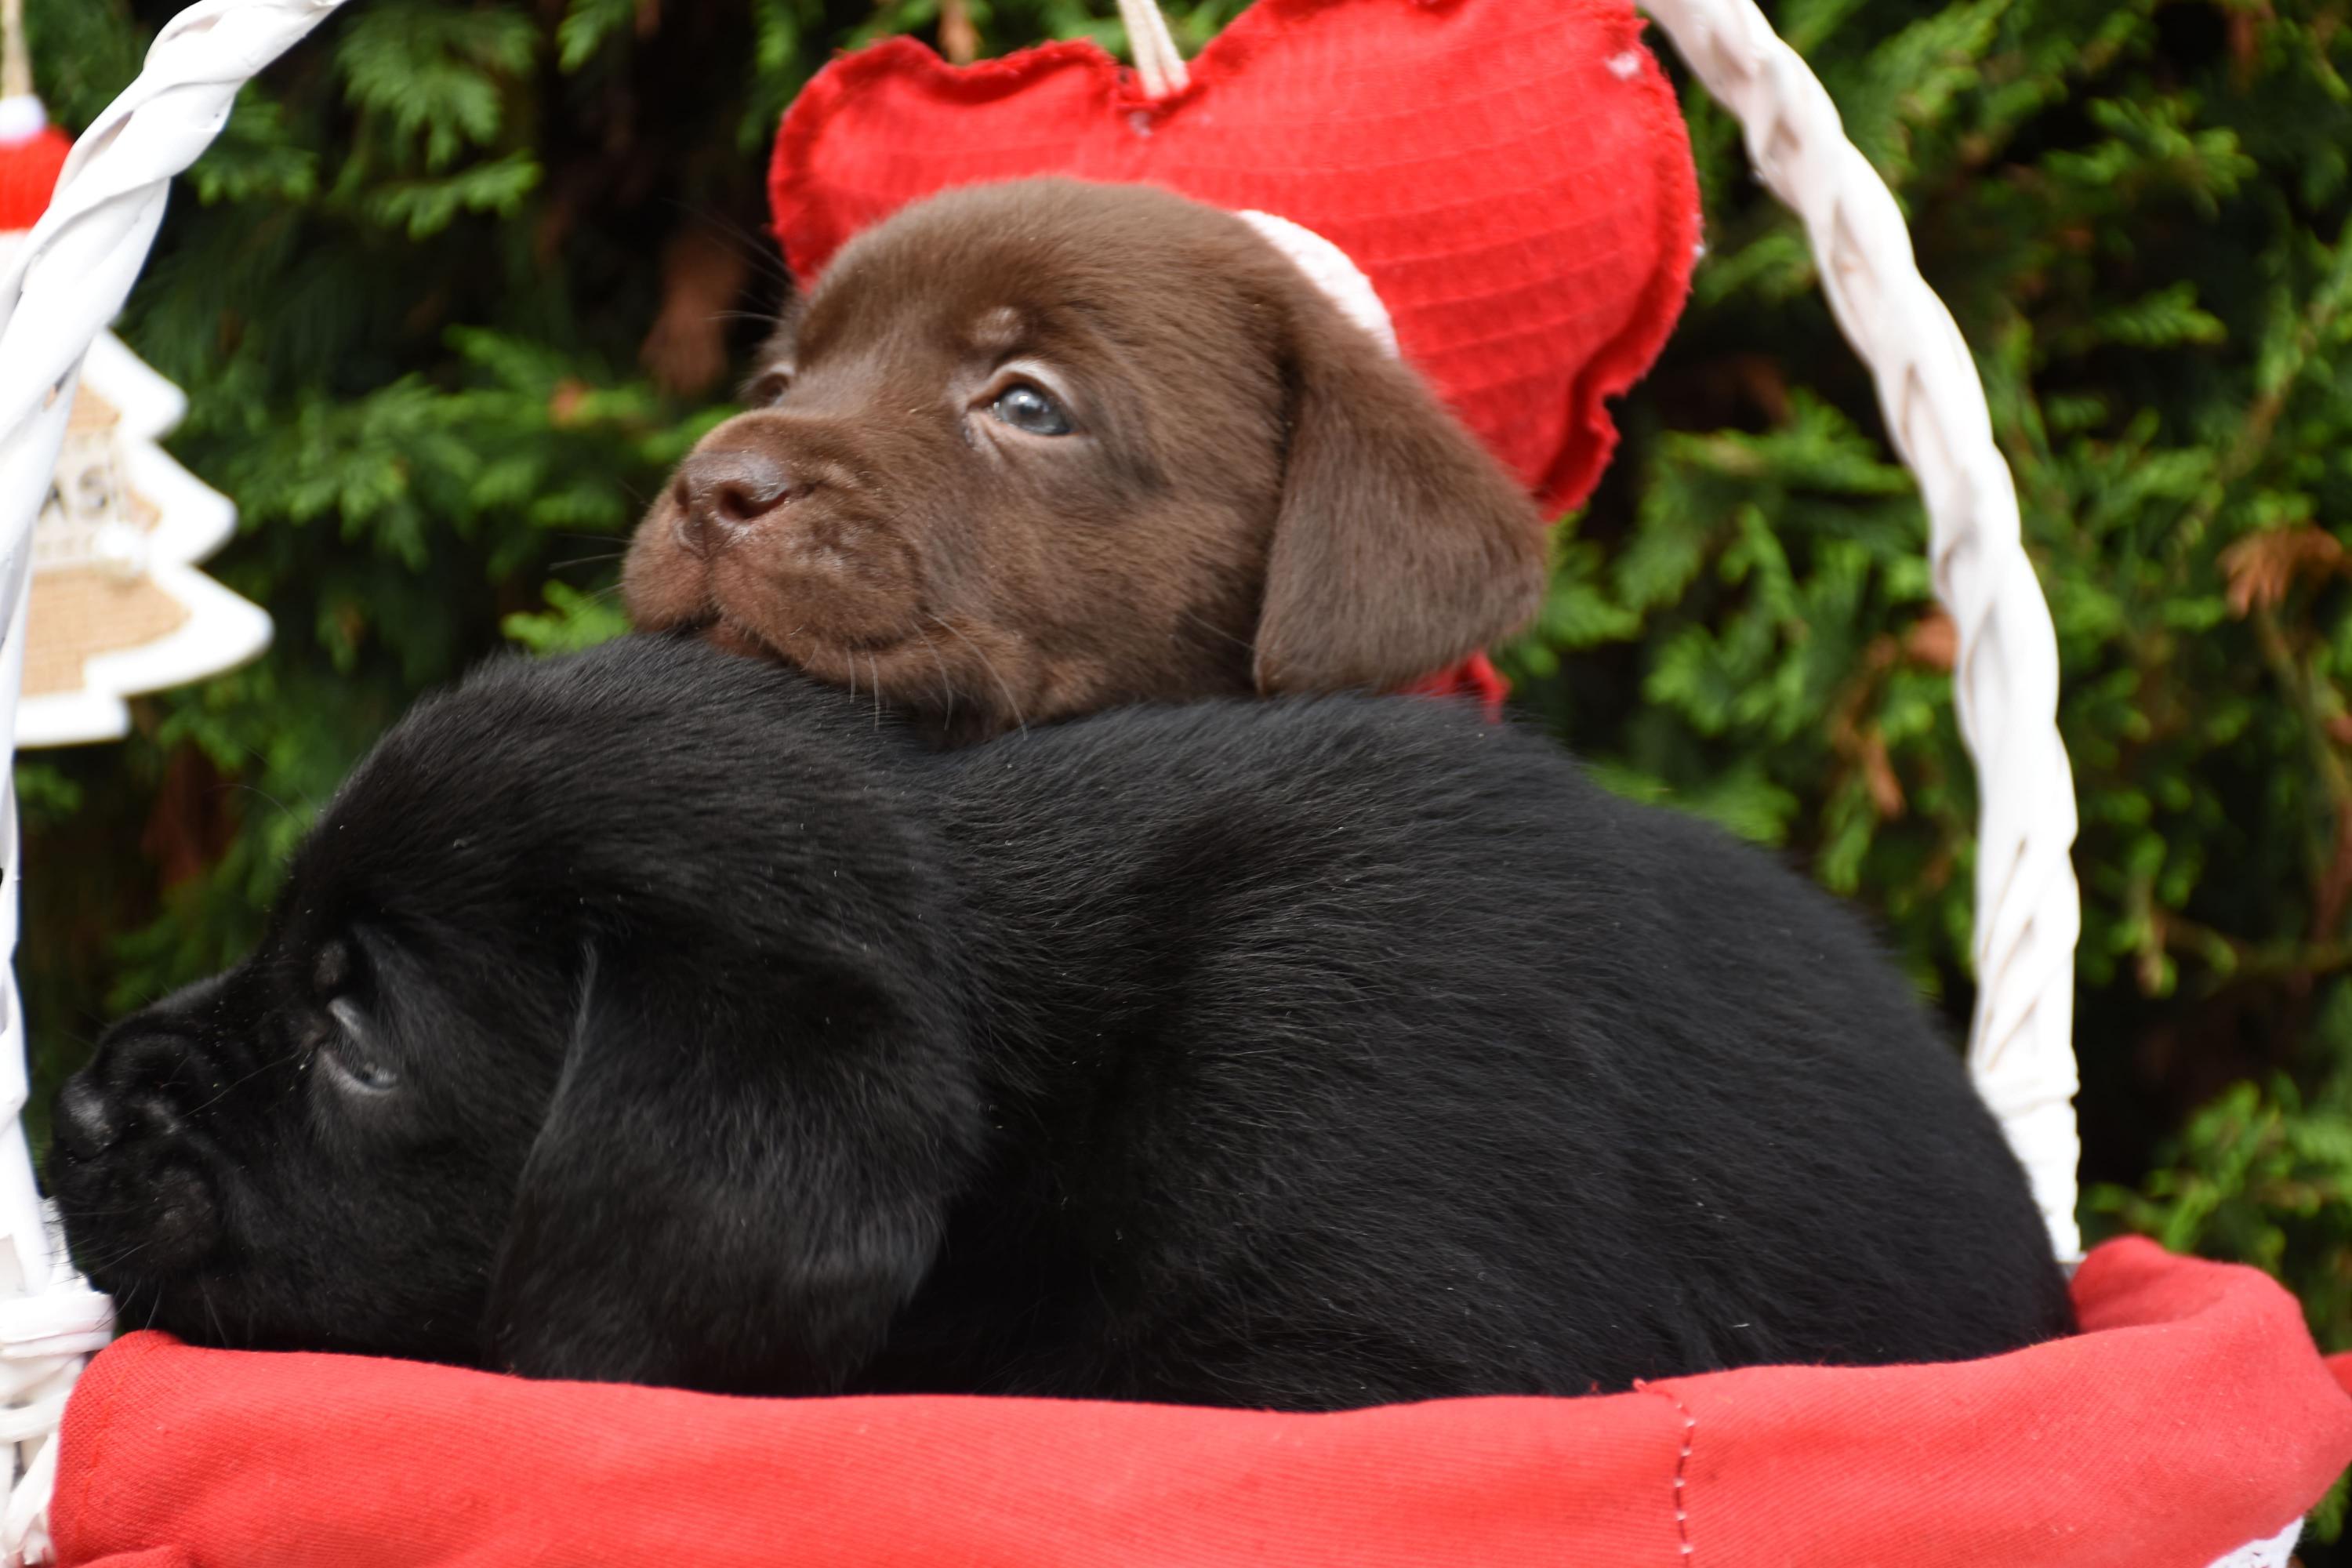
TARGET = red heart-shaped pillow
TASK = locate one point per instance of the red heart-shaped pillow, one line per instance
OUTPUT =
(1512, 175)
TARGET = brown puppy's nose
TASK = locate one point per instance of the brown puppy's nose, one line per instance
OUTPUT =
(726, 492)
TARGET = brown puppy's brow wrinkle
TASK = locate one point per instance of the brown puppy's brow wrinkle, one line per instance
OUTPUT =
(997, 331)
(1262, 500)
(782, 343)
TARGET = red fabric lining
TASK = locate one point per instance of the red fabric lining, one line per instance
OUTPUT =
(1475, 678)
(2194, 1415)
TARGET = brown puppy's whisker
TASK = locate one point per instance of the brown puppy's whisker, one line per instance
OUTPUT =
(757, 249)
(1012, 703)
(1215, 630)
(947, 687)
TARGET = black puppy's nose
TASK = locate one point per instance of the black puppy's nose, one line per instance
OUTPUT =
(85, 1125)
(727, 491)
(138, 1085)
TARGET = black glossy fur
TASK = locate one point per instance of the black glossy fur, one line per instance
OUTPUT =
(697, 1028)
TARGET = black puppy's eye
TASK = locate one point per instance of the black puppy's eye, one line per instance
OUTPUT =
(349, 1054)
(1024, 407)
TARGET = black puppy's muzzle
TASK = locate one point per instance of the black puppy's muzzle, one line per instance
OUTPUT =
(87, 1123)
(130, 1182)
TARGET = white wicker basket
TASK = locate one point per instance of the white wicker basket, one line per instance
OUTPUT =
(64, 284)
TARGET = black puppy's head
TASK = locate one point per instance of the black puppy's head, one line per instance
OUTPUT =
(600, 1030)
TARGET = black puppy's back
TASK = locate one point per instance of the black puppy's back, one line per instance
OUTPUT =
(655, 1015)
(1356, 1051)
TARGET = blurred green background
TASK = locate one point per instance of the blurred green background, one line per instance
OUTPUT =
(463, 278)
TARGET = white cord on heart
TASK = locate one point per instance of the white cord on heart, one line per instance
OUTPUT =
(1329, 269)
(1157, 62)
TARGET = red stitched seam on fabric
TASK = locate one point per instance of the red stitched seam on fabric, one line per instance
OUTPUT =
(1682, 1462)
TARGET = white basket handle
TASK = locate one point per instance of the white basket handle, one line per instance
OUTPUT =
(2028, 908)
(59, 288)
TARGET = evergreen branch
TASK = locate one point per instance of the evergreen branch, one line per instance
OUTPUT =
(2275, 383)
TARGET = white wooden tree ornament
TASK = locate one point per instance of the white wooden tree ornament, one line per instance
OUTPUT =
(116, 606)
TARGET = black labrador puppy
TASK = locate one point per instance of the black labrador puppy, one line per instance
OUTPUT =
(658, 1014)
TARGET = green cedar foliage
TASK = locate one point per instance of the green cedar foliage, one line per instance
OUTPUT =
(407, 291)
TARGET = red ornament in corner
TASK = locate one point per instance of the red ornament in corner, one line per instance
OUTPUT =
(32, 152)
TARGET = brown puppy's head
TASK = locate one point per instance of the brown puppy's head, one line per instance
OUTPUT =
(1033, 449)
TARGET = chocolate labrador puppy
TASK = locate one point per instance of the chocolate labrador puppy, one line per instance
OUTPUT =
(1035, 449)
(654, 1015)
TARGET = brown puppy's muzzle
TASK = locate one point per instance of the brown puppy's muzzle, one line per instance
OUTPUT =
(777, 537)
(723, 494)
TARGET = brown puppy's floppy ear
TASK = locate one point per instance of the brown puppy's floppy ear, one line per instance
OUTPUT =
(744, 1172)
(1400, 546)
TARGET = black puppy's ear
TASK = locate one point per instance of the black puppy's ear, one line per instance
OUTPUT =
(735, 1193)
(1400, 546)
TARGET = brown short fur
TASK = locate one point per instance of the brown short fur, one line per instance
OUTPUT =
(1252, 496)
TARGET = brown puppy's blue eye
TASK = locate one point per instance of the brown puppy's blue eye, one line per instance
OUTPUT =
(1024, 407)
